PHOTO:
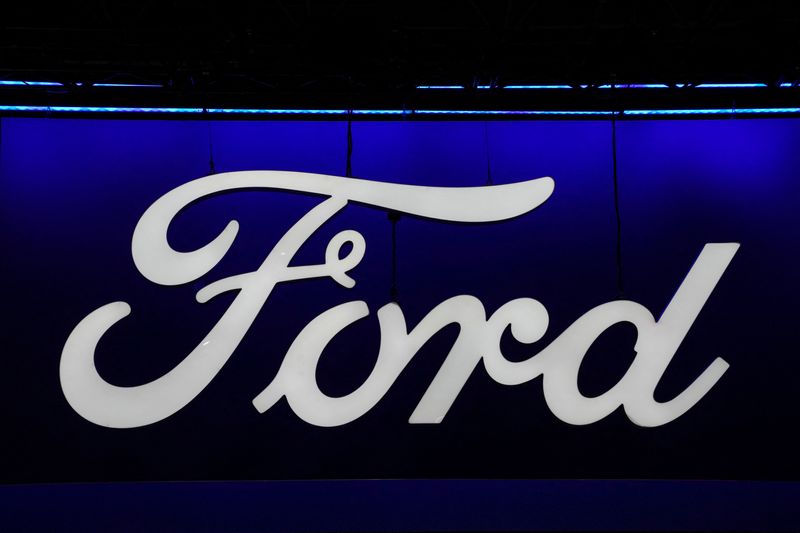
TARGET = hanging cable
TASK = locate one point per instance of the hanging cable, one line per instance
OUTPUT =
(489, 180)
(348, 171)
(394, 218)
(211, 167)
(620, 284)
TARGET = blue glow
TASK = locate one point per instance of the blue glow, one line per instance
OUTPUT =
(32, 108)
(150, 85)
(440, 86)
(725, 111)
(647, 86)
(504, 112)
(279, 111)
(730, 85)
(445, 87)
(382, 112)
(30, 83)
(386, 112)
(636, 86)
(537, 87)
(72, 109)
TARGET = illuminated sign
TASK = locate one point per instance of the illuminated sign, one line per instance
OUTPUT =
(478, 340)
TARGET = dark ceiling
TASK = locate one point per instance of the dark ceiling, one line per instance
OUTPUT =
(360, 53)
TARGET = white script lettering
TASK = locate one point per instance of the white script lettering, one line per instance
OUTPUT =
(478, 341)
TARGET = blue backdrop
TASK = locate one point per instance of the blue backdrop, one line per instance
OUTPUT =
(72, 190)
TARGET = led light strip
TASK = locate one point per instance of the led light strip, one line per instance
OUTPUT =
(77, 109)
(31, 83)
(730, 85)
(745, 111)
(636, 86)
(387, 112)
(537, 87)
(138, 85)
(619, 86)
(22, 83)
(440, 86)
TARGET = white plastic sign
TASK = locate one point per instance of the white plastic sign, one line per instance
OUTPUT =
(478, 341)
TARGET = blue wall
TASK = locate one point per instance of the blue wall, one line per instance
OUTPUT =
(71, 192)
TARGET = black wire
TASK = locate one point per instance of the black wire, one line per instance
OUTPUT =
(489, 180)
(349, 167)
(211, 166)
(394, 217)
(620, 284)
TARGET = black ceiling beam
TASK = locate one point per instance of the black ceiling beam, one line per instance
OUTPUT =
(361, 53)
(411, 99)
